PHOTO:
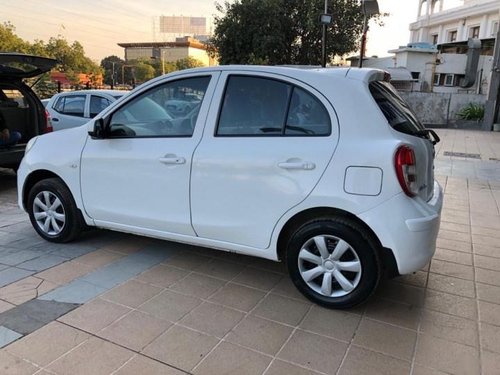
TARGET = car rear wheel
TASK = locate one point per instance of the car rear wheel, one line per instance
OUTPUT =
(333, 262)
(53, 212)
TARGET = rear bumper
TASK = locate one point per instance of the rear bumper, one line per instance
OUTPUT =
(409, 228)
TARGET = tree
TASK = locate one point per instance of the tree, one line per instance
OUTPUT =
(187, 63)
(143, 72)
(9, 41)
(113, 65)
(283, 31)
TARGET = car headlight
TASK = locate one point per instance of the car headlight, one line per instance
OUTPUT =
(30, 144)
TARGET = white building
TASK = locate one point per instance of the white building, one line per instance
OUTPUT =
(437, 53)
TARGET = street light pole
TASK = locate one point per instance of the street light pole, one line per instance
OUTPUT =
(325, 19)
(369, 8)
(113, 75)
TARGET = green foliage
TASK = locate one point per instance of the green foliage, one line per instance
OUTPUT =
(114, 65)
(472, 111)
(187, 63)
(71, 56)
(45, 88)
(143, 72)
(283, 31)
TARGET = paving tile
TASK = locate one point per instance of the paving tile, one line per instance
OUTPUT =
(489, 312)
(4, 306)
(337, 324)
(452, 269)
(453, 235)
(132, 293)
(98, 258)
(488, 293)
(25, 289)
(238, 297)
(77, 291)
(181, 347)
(64, 273)
(18, 256)
(385, 338)
(482, 239)
(220, 269)
(488, 251)
(9, 275)
(418, 279)
(451, 304)
(279, 367)
(402, 293)
(11, 365)
(135, 330)
(42, 263)
(449, 327)
(32, 315)
(451, 285)
(489, 363)
(106, 357)
(144, 365)
(187, 260)
(258, 278)
(260, 334)
(197, 285)
(7, 336)
(95, 315)
(286, 288)
(127, 246)
(421, 370)
(48, 343)
(315, 352)
(282, 309)
(455, 216)
(161, 275)
(456, 227)
(268, 265)
(488, 276)
(212, 319)
(489, 337)
(447, 356)
(486, 262)
(361, 361)
(394, 313)
(170, 306)
(231, 359)
(480, 231)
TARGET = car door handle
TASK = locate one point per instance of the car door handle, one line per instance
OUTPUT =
(172, 160)
(54, 119)
(305, 165)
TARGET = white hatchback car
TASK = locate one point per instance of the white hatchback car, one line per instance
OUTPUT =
(327, 170)
(75, 108)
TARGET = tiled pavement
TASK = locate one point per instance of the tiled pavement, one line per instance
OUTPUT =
(140, 306)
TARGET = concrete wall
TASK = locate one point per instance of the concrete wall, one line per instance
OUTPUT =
(439, 108)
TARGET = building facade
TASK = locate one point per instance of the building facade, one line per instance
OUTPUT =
(169, 51)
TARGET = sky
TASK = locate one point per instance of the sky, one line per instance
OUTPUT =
(100, 24)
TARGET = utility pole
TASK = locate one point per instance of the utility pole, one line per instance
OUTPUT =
(369, 8)
(325, 20)
(113, 75)
(491, 111)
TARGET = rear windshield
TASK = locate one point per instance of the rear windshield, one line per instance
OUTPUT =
(394, 108)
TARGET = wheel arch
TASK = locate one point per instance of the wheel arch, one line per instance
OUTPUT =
(33, 178)
(385, 255)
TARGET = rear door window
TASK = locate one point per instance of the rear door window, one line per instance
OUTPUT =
(396, 111)
(71, 105)
(257, 106)
(97, 104)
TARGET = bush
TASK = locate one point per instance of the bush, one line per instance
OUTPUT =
(472, 111)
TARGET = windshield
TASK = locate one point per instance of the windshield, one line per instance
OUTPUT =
(396, 111)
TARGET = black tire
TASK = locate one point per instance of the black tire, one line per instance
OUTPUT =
(361, 253)
(58, 230)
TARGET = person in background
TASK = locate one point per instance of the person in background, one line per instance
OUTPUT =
(7, 138)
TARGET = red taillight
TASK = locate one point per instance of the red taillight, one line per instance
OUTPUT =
(406, 170)
(48, 123)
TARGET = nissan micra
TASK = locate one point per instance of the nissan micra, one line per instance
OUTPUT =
(327, 170)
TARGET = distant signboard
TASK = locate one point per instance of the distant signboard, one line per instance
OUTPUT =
(183, 25)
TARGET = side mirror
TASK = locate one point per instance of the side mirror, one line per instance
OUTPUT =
(96, 129)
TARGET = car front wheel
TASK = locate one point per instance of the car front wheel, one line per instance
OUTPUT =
(53, 212)
(333, 262)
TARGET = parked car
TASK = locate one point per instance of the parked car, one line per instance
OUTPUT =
(45, 102)
(327, 170)
(75, 108)
(20, 109)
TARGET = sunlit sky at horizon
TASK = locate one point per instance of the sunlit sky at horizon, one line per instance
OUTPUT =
(100, 25)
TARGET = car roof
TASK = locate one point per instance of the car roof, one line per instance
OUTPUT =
(106, 92)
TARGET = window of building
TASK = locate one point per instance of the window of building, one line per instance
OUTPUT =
(448, 80)
(255, 106)
(474, 32)
(436, 79)
(415, 75)
(434, 39)
(494, 28)
(452, 36)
